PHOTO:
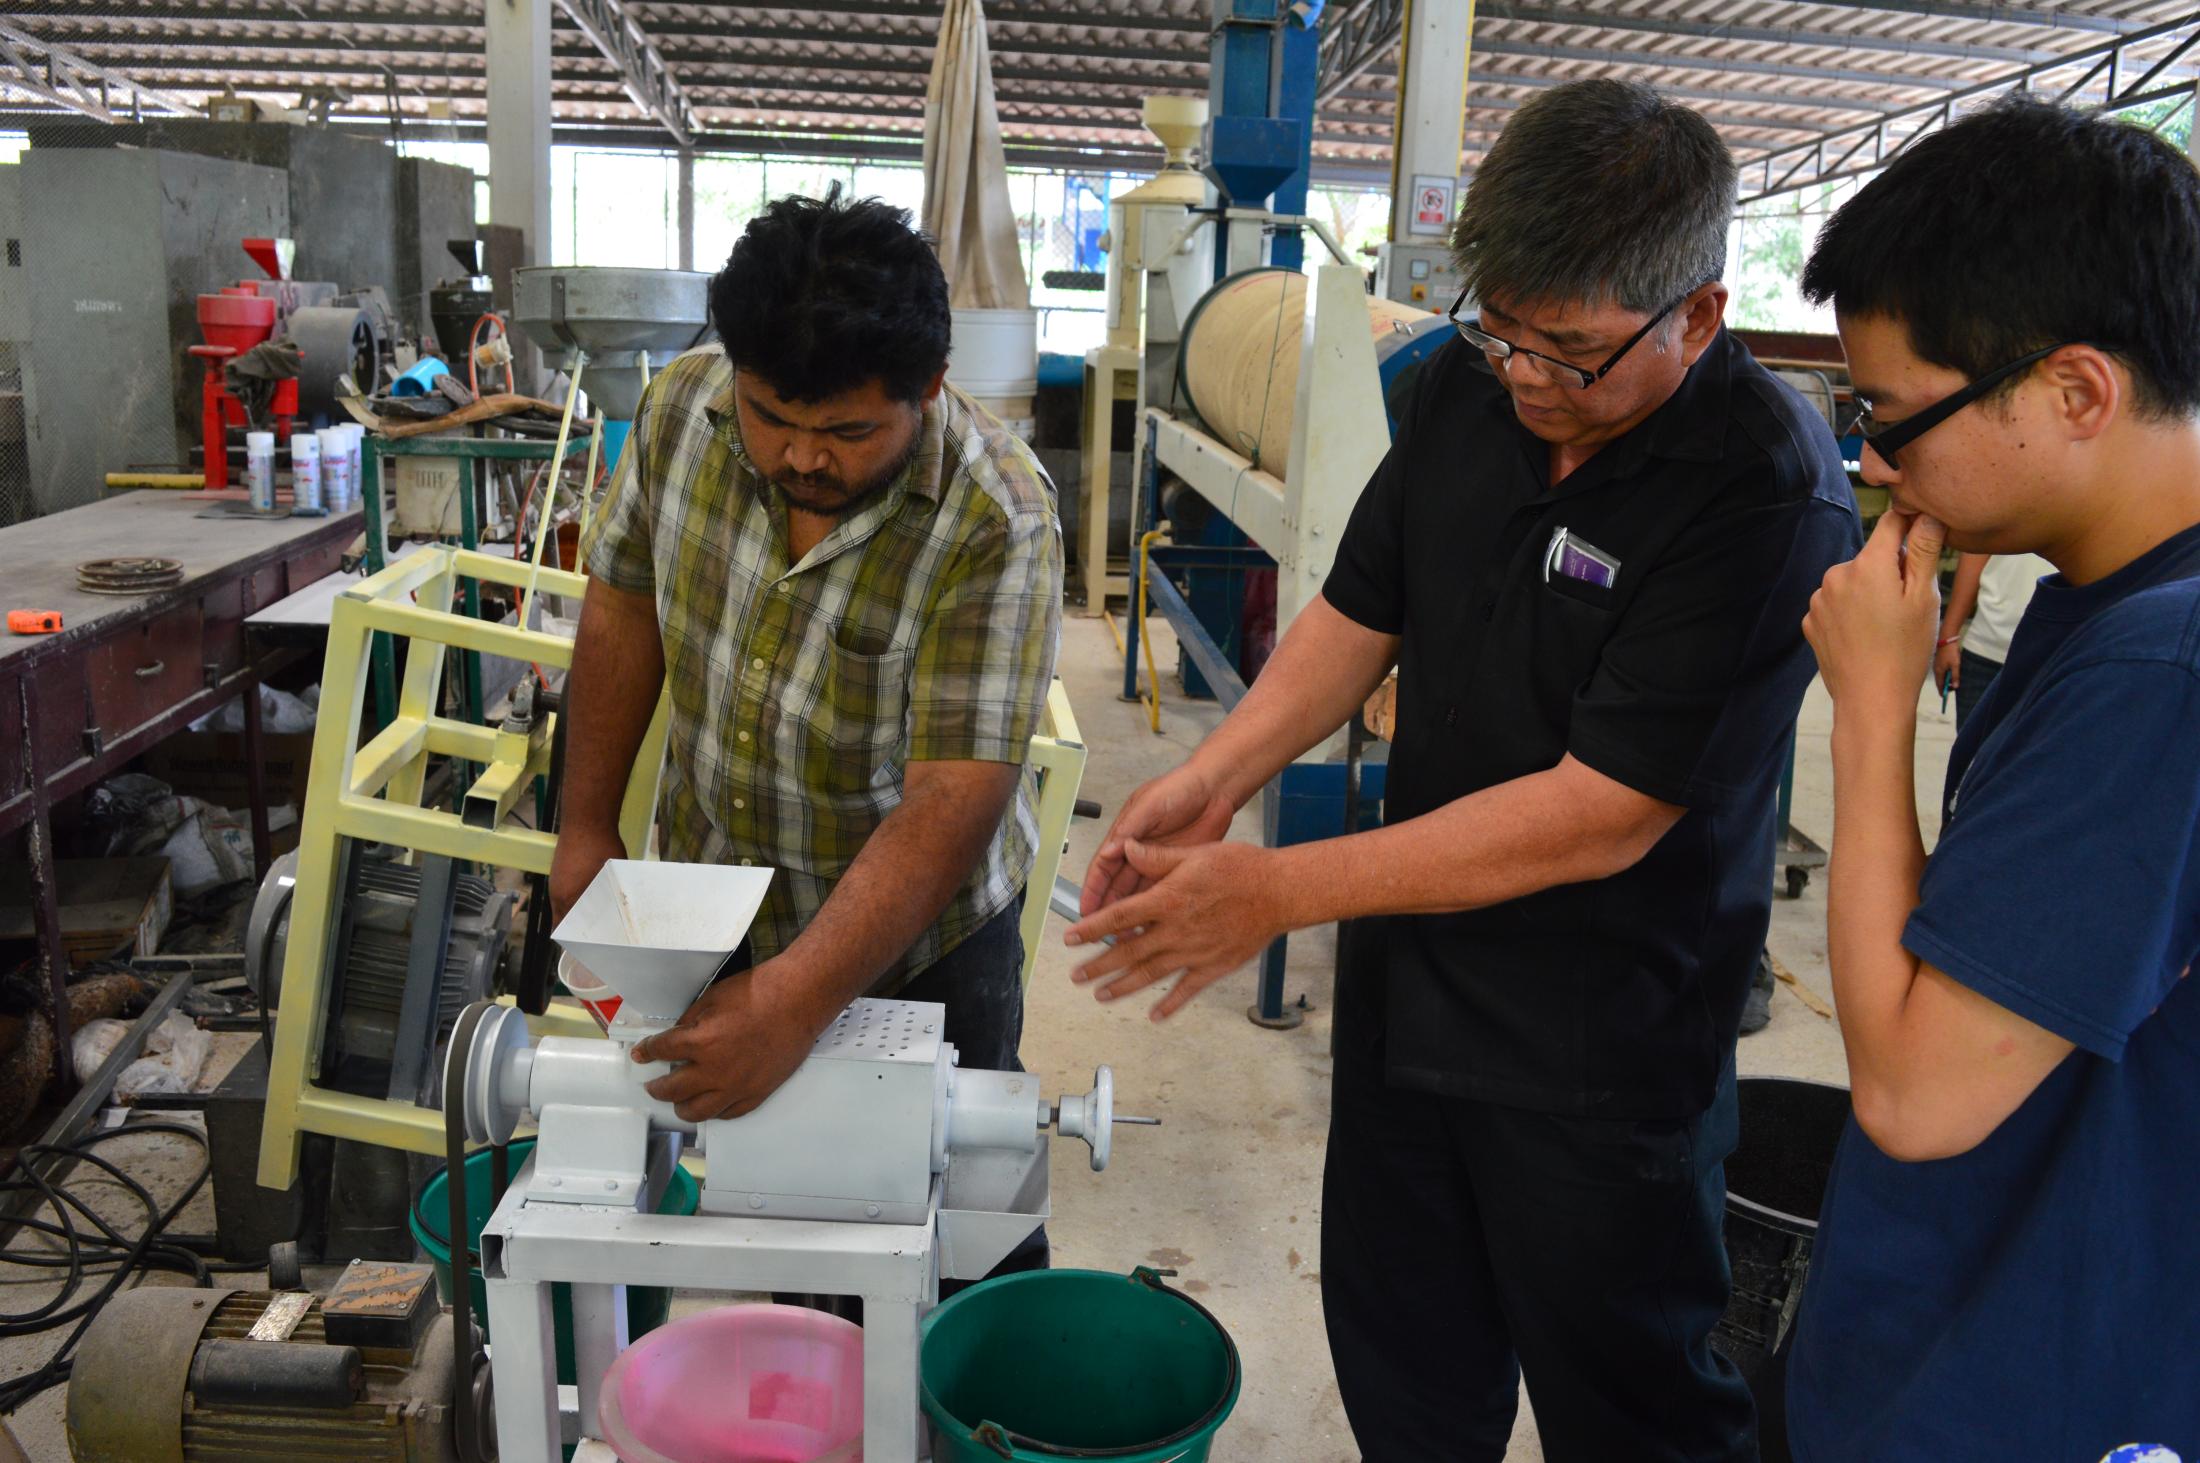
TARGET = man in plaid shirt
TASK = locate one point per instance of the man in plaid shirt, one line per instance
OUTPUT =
(850, 576)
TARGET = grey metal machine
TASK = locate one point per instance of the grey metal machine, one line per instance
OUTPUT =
(623, 325)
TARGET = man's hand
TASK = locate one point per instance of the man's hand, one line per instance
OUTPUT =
(580, 856)
(1948, 664)
(1874, 619)
(1204, 910)
(1180, 809)
(735, 1046)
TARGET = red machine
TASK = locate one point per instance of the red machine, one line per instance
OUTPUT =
(233, 322)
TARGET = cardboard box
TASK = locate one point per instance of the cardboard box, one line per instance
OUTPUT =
(211, 767)
(108, 906)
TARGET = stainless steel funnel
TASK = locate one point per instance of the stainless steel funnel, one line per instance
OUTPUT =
(620, 317)
(657, 932)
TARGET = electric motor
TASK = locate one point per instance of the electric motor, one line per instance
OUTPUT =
(361, 1375)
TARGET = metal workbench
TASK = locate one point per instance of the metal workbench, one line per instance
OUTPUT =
(127, 671)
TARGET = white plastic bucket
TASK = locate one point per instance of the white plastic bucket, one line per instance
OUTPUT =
(995, 353)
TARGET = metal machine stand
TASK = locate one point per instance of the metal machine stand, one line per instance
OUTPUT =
(526, 1249)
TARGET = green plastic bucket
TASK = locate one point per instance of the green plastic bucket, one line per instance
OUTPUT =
(646, 1305)
(1007, 1370)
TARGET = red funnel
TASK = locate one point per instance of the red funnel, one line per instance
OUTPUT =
(237, 322)
(272, 255)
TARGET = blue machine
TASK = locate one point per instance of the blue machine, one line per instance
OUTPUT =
(1260, 107)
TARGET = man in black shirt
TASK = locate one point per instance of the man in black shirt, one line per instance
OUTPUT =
(1588, 553)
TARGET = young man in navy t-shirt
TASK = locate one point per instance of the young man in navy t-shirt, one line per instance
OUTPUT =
(2008, 1264)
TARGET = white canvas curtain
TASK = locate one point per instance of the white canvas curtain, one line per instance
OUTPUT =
(966, 205)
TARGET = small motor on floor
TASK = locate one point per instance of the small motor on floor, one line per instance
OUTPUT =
(363, 1373)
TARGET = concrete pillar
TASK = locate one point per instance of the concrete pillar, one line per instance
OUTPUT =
(519, 120)
(1435, 43)
(687, 208)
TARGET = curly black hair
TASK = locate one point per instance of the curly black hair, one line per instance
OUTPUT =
(822, 295)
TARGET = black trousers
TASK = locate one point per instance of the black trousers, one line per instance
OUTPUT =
(1978, 674)
(1466, 1245)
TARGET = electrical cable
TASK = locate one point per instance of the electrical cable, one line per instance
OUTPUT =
(84, 1251)
(473, 343)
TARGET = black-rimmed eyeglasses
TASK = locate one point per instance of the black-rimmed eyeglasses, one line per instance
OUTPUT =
(1565, 373)
(1892, 438)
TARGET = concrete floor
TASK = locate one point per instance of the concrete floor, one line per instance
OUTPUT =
(1227, 1192)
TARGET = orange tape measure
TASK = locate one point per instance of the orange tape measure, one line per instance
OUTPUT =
(34, 622)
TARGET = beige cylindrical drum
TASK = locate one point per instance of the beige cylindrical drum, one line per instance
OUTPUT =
(1240, 358)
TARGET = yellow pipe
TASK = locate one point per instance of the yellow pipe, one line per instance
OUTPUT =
(1145, 639)
(185, 480)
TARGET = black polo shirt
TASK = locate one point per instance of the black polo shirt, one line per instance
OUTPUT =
(1680, 678)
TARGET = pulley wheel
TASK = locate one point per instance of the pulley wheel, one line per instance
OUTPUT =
(337, 340)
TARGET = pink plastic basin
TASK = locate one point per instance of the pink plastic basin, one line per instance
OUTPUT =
(740, 1384)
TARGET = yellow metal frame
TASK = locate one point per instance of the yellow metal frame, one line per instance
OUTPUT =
(1058, 756)
(372, 792)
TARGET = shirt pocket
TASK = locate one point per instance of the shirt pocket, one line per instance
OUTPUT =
(1581, 591)
(1572, 623)
(866, 710)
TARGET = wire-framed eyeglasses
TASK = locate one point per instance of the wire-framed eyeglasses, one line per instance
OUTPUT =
(1565, 373)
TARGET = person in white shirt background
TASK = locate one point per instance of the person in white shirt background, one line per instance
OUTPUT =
(1991, 590)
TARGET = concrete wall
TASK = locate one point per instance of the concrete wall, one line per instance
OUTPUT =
(117, 252)
(15, 328)
(342, 189)
(435, 203)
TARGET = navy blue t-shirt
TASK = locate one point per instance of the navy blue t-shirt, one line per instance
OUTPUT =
(2039, 1296)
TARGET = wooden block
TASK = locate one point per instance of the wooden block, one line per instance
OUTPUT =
(108, 905)
(1381, 711)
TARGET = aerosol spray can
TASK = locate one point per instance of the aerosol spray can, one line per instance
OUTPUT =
(355, 437)
(305, 475)
(259, 470)
(335, 469)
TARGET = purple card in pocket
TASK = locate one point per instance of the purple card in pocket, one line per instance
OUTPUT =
(1578, 559)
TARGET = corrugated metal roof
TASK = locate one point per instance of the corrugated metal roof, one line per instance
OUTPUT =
(1778, 78)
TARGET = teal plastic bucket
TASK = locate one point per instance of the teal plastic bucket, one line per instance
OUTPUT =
(1007, 1370)
(646, 1305)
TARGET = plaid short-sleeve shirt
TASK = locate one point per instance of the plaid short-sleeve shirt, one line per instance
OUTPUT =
(923, 626)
